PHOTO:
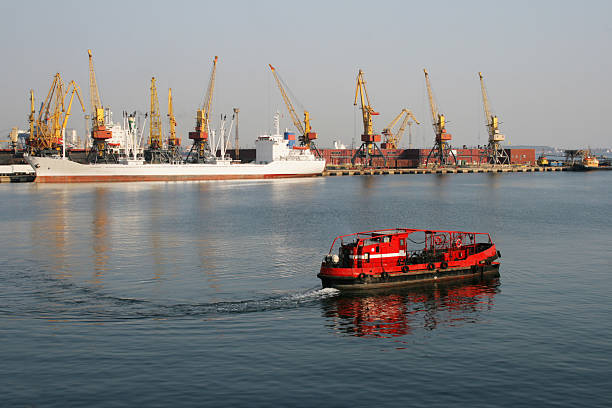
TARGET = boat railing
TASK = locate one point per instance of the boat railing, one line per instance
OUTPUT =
(451, 238)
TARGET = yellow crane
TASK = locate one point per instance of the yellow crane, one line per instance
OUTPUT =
(155, 152)
(307, 136)
(495, 153)
(32, 117)
(99, 133)
(369, 148)
(441, 150)
(47, 131)
(155, 126)
(174, 142)
(199, 149)
(392, 140)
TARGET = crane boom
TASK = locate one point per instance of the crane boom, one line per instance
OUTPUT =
(492, 121)
(94, 95)
(32, 114)
(155, 127)
(73, 89)
(172, 140)
(392, 140)
(485, 100)
(290, 108)
(432, 103)
(361, 94)
(441, 149)
(207, 106)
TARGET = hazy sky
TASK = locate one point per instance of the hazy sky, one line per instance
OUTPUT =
(546, 64)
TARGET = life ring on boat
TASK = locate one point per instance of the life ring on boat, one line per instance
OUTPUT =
(458, 242)
(362, 277)
(384, 276)
(431, 266)
(405, 268)
(438, 239)
(443, 265)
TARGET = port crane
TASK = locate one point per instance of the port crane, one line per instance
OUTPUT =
(174, 143)
(307, 136)
(369, 147)
(155, 153)
(48, 129)
(392, 140)
(100, 151)
(495, 153)
(200, 151)
(441, 149)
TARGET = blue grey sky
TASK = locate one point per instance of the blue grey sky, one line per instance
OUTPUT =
(546, 64)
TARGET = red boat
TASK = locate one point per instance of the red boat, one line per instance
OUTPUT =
(403, 256)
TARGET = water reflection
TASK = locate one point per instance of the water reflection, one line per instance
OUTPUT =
(100, 243)
(49, 232)
(401, 311)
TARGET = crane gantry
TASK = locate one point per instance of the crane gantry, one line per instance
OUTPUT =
(307, 136)
(494, 153)
(441, 150)
(48, 129)
(100, 150)
(369, 147)
(392, 140)
(199, 151)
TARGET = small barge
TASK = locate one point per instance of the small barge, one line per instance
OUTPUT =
(403, 256)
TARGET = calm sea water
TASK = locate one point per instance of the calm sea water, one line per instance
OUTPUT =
(205, 294)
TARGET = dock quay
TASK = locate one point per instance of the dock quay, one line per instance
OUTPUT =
(337, 171)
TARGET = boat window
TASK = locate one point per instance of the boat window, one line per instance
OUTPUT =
(401, 242)
(377, 248)
(386, 239)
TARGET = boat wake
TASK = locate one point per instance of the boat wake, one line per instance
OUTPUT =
(67, 301)
(285, 301)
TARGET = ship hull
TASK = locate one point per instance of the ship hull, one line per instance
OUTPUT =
(415, 278)
(55, 170)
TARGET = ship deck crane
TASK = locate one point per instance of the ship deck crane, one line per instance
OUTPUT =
(441, 150)
(307, 136)
(100, 150)
(174, 143)
(495, 153)
(369, 148)
(199, 151)
(392, 140)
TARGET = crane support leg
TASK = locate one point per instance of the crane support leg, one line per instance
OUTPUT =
(101, 153)
(443, 153)
(368, 151)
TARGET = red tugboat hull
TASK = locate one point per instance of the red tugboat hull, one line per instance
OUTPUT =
(402, 256)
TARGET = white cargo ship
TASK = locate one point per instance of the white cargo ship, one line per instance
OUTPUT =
(276, 157)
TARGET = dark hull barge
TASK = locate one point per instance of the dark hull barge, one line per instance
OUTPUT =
(402, 256)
